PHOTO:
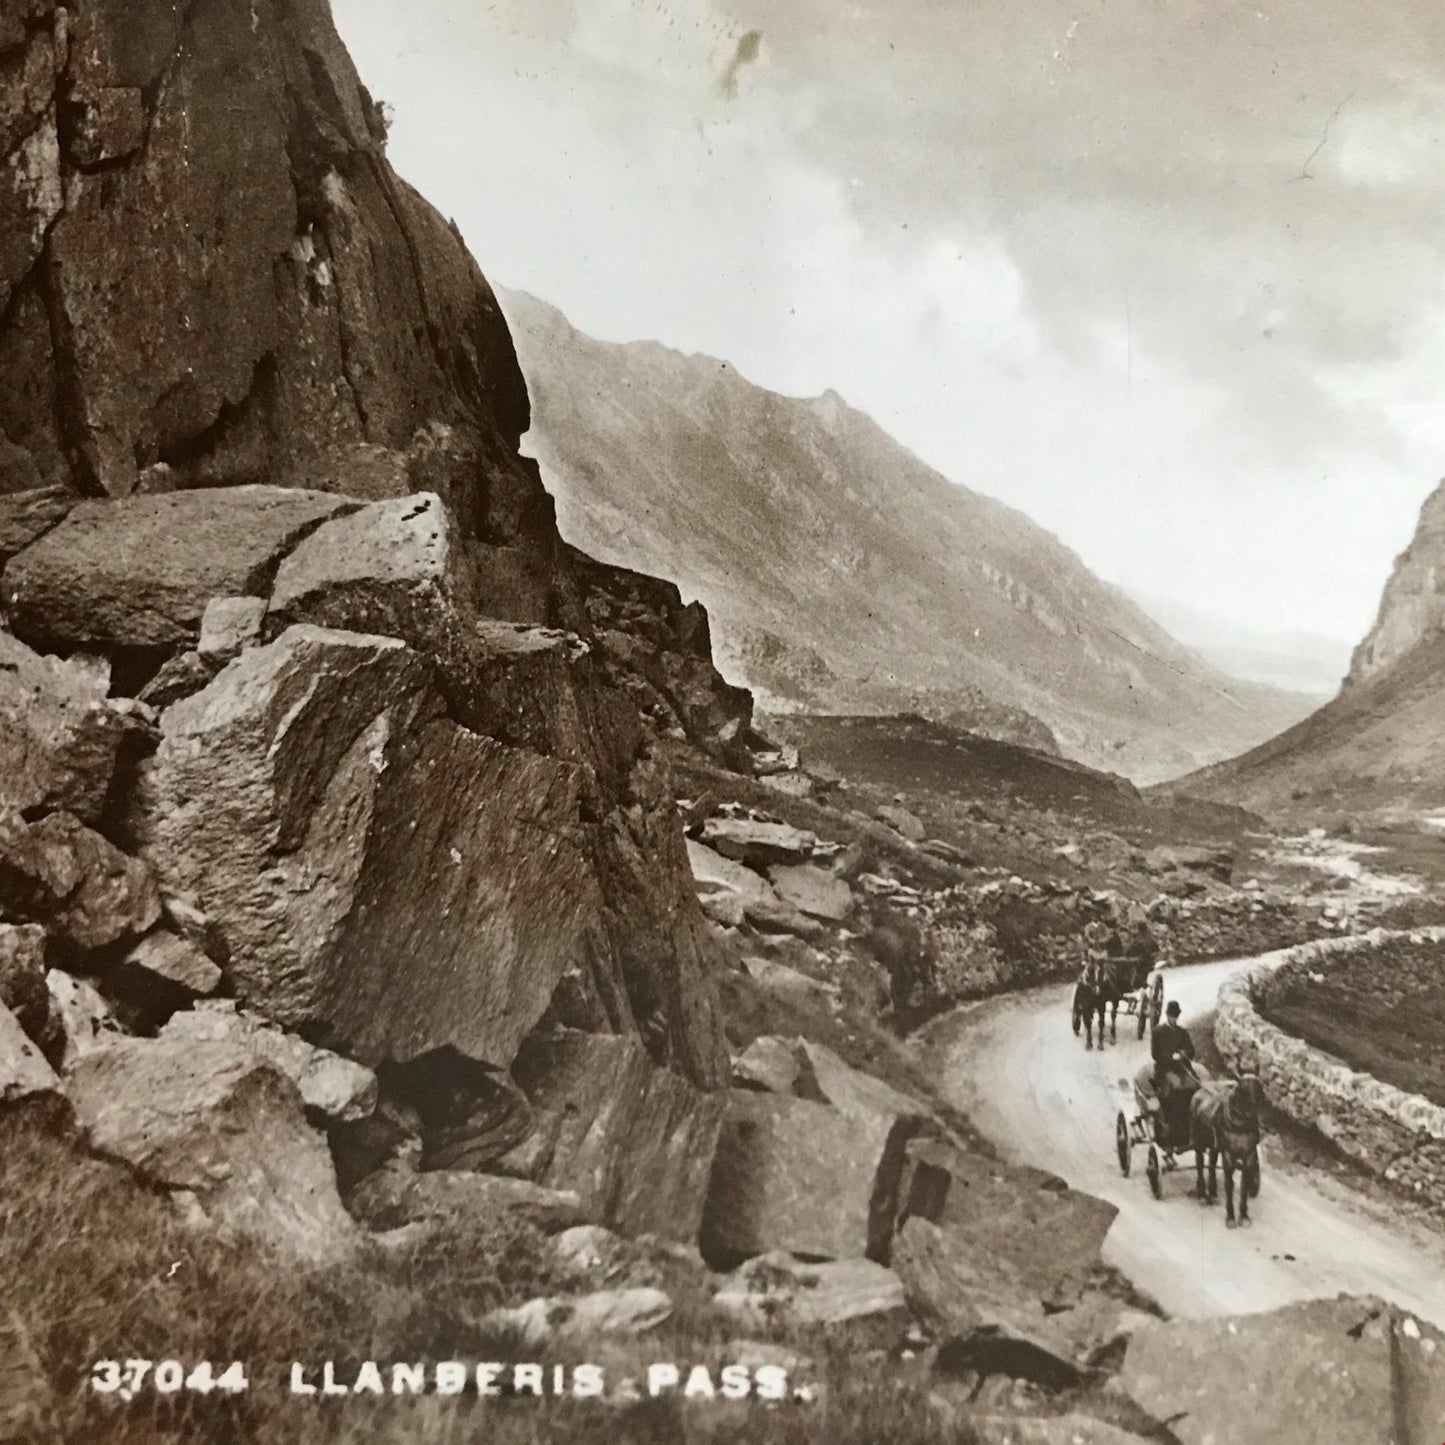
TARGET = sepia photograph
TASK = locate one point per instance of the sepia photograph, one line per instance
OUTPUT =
(722, 722)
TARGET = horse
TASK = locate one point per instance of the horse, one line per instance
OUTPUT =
(1087, 994)
(1116, 975)
(1224, 1123)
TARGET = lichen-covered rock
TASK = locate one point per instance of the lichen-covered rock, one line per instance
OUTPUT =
(23, 1070)
(227, 625)
(84, 1019)
(172, 965)
(139, 572)
(395, 1196)
(339, 1090)
(634, 1141)
(604, 1312)
(380, 874)
(218, 1121)
(813, 890)
(758, 844)
(392, 567)
(79, 885)
(778, 1289)
(59, 737)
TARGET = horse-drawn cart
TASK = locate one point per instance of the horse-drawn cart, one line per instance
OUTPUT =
(1097, 992)
(1169, 1129)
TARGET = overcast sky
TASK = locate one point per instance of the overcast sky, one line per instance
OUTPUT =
(1165, 274)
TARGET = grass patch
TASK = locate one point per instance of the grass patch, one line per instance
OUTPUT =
(1382, 1012)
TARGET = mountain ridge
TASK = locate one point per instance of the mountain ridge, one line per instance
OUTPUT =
(897, 589)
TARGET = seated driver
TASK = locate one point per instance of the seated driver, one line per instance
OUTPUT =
(1170, 1038)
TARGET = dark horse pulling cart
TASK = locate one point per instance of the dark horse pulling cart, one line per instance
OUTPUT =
(1214, 1120)
(1107, 986)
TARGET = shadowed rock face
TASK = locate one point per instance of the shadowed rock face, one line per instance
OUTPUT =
(244, 369)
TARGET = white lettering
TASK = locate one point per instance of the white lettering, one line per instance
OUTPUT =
(300, 1385)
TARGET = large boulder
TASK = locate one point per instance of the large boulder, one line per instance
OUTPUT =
(395, 1196)
(1029, 1220)
(139, 572)
(816, 891)
(383, 877)
(59, 738)
(393, 567)
(778, 1289)
(82, 1017)
(23, 1070)
(216, 1120)
(634, 1141)
(84, 889)
(830, 1080)
(799, 1176)
(987, 1315)
(758, 844)
(338, 1090)
(1278, 1377)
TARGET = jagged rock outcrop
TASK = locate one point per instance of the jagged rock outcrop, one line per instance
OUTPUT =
(312, 707)
(634, 1142)
(1378, 745)
(1412, 609)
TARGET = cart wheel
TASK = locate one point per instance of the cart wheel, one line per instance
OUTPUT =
(1251, 1178)
(1121, 1138)
(1078, 1014)
(1156, 1001)
(1151, 1168)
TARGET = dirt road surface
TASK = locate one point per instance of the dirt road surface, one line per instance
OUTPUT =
(1031, 1087)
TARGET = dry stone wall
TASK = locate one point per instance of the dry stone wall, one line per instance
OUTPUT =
(1394, 1134)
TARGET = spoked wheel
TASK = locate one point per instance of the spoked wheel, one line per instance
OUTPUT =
(1156, 1001)
(1121, 1138)
(1155, 1173)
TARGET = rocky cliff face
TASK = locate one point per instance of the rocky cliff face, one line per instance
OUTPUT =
(304, 700)
(1412, 609)
(1378, 745)
(844, 575)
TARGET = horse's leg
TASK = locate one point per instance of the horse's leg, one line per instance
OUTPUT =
(1243, 1191)
(1198, 1170)
(1114, 1020)
(1213, 1176)
(1229, 1219)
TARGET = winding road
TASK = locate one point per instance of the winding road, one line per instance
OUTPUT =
(1014, 1066)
